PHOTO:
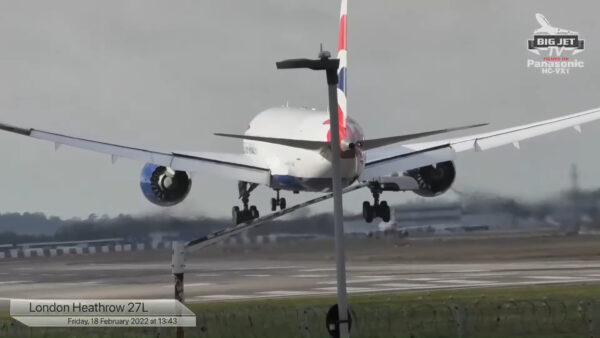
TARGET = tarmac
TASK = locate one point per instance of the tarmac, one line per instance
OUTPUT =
(218, 279)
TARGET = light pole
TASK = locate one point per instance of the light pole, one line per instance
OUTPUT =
(330, 66)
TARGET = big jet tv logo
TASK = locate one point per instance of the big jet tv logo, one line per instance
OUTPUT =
(556, 47)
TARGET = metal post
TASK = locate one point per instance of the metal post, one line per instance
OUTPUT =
(330, 66)
(338, 211)
(177, 267)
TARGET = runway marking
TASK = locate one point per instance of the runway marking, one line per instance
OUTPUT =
(189, 285)
(264, 268)
(405, 285)
(288, 293)
(273, 267)
(491, 274)
(349, 289)
(308, 276)
(379, 276)
(555, 277)
(463, 281)
(224, 297)
(257, 275)
(464, 271)
(317, 270)
(197, 284)
(422, 279)
(364, 280)
(15, 282)
(207, 274)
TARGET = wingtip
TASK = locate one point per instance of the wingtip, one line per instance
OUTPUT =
(15, 129)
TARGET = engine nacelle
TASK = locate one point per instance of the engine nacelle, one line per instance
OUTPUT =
(433, 181)
(164, 186)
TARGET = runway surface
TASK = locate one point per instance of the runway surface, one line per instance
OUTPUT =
(228, 279)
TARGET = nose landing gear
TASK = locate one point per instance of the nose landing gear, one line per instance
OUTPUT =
(378, 209)
(247, 213)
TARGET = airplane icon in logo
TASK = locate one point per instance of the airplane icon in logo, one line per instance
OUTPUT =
(546, 28)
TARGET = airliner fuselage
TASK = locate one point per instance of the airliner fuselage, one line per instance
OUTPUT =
(303, 169)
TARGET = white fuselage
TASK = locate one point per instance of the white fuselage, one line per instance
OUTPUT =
(300, 169)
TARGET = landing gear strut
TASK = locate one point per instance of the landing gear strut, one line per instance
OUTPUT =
(278, 202)
(246, 214)
(378, 209)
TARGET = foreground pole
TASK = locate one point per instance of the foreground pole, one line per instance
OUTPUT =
(331, 66)
(177, 267)
(338, 211)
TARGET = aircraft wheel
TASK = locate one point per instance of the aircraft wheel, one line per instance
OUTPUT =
(236, 215)
(384, 211)
(254, 212)
(367, 212)
(282, 203)
(273, 204)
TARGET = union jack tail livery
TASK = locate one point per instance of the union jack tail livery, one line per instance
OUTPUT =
(343, 57)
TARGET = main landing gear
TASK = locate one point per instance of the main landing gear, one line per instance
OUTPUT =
(378, 209)
(278, 202)
(246, 214)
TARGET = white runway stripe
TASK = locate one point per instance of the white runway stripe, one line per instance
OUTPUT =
(364, 280)
(349, 289)
(189, 285)
(288, 293)
(405, 285)
(15, 282)
(224, 297)
(463, 281)
(554, 277)
(309, 276)
(491, 274)
(317, 270)
(422, 279)
(257, 275)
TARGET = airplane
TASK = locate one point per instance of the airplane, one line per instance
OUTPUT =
(546, 28)
(288, 149)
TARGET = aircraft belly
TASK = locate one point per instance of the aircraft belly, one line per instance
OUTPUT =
(315, 184)
(313, 176)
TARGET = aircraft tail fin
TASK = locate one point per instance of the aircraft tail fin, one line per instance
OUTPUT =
(342, 70)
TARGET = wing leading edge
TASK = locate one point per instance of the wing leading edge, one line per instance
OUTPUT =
(237, 166)
(395, 158)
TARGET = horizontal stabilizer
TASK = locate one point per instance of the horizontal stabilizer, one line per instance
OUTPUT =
(304, 144)
(380, 142)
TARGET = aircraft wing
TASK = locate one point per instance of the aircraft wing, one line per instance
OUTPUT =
(237, 166)
(392, 159)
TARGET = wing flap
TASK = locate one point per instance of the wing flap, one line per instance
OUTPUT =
(234, 166)
(398, 163)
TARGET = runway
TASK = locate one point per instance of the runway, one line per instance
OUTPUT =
(229, 279)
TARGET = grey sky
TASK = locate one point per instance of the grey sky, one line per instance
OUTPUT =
(169, 74)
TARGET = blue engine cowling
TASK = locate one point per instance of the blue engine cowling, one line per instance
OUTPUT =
(433, 180)
(164, 186)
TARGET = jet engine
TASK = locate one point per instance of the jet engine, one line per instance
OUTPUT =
(164, 186)
(433, 180)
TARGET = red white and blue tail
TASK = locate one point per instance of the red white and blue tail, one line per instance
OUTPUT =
(343, 57)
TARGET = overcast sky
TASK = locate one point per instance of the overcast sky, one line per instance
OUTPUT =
(167, 74)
